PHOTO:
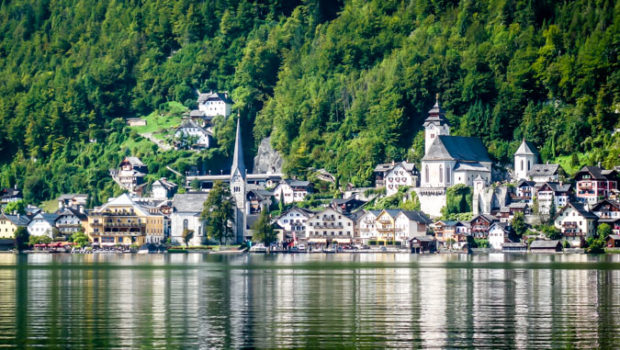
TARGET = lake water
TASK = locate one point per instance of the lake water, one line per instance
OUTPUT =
(310, 301)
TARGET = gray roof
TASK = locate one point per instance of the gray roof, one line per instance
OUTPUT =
(596, 172)
(214, 96)
(612, 203)
(18, 220)
(297, 183)
(416, 216)
(436, 115)
(475, 166)
(237, 163)
(70, 211)
(189, 202)
(487, 217)
(514, 245)
(581, 210)
(526, 183)
(466, 149)
(424, 238)
(544, 170)
(50, 218)
(165, 183)
(544, 244)
(196, 113)
(134, 161)
(518, 205)
(526, 148)
(614, 237)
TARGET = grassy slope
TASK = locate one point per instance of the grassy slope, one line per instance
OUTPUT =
(160, 121)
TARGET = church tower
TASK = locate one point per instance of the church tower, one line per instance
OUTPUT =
(435, 125)
(238, 186)
(479, 185)
(524, 158)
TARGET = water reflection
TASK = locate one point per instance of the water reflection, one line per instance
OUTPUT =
(287, 301)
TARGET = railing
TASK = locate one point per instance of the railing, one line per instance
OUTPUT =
(569, 225)
(120, 224)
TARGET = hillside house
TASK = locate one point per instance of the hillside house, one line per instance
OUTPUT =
(74, 200)
(393, 175)
(42, 224)
(191, 135)
(576, 223)
(215, 103)
(608, 211)
(541, 173)
(329, 226)
(525, 190)
(163, 189)
(8, 195)
(290, 191)
(70, 221)
(552, 193)
(130, 174)
(594, 184)
(346, 205)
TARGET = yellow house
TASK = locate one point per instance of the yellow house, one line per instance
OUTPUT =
(10, 223)
(122, 221)
(385, 225)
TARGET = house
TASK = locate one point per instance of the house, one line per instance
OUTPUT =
(346, 205)
(524, 159)
(10, 223)
(385, 226)
(123, 221)
(186, 210)
(608, 212)
(393, 175)
(130, 174)
(8, 195)
(510, 247)
(215, 103)
(136, 122)
(613, 241)
(163, 189)
(594, 184)
(329, 226)
(445, 231)
(70, 221)
(576, 223)
(422, 244)
(294, 222)
(73, 200)
(525, 191)
(540, 173)
(365, 229)
(289, 191)
(499, 234)
(43, 224)
(552, 193)
(257, 200)
(410, 223)
(541, 246)
(480, 225)
(191, 135)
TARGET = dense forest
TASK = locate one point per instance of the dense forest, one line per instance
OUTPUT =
(337, 85)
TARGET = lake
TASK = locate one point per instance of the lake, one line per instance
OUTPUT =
(310, 301)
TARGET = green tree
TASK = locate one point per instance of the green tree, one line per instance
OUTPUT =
(80, 239)
(552, 212)
(458, 200)
(218, 213)
(263, 230)
(518, 224)
(187, 236)
(21, 238)
(603, 230)
(32, 240)
(18, 207)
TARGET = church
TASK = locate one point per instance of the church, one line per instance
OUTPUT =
(448, 161)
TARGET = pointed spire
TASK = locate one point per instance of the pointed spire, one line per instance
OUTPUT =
(237, 163)
(436, 115)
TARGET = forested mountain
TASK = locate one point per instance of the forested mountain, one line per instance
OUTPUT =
(341, 86)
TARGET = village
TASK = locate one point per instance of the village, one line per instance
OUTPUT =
(531, 207)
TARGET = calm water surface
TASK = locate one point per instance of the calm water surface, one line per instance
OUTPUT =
(310, 301)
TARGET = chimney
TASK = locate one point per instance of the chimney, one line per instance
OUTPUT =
(598, 164)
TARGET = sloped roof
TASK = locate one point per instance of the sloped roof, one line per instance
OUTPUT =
(560, 188)
(475, 166)
(526, 183)
(134, 161)
(416, 216)
(467, 149)
(544, 170)
(196, 113)
(436, 115)
(49, 218)
(544, 244)
(297, 183)
(18, 220)
(614, 237)
(189, 202)
(165, 183)
(237, 162)
(613, 203)
(579, 207)
(123, 201)
(70, 211)
(487, 217)
(526, 148)
(596, 172)
(190, 124)
(214, 96)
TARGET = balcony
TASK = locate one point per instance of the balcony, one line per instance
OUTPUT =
(570, 225)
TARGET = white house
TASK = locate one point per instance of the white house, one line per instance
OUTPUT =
(291, 191)
(186, 209)
(190, 134)
(69, 221)
(163, 189)
(540, 173)
(365, 226)
(401, 174)
(410, 224)
(576, 223)
(525, 157)
(215, 103)
(552, 192)
(42, 224)
(294, 222)
(498, 235)
(329, 226)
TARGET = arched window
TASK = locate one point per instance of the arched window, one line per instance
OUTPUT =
(521, 164)
(426, 173)
(185, 224)
(440, 173)
(448, 180)
(528, 165)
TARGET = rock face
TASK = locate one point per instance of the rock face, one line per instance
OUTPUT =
(267, 160)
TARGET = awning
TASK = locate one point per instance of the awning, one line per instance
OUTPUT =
(342, 240)
(317, 240)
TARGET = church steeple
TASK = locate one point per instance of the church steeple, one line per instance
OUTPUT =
(237, 164)
(435, 125)
(436, 115)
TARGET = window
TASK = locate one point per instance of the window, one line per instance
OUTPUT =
(440, 173)
(528, 165)
(521, 164)
(426, 173)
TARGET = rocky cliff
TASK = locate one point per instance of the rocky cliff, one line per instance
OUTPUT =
(267, 159)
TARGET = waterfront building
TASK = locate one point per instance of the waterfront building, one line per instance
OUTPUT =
(186, 210)
(499, 234)
(123, 221)
(294, 222)
(480, 225)
(70, 221)
(542, 246)
(365, 226)
(42, 224)
(576, 223)
(10, 223)
(608, 212)
(329, 226)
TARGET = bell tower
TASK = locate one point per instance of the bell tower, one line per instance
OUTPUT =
(435, 125)
(238, 186)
